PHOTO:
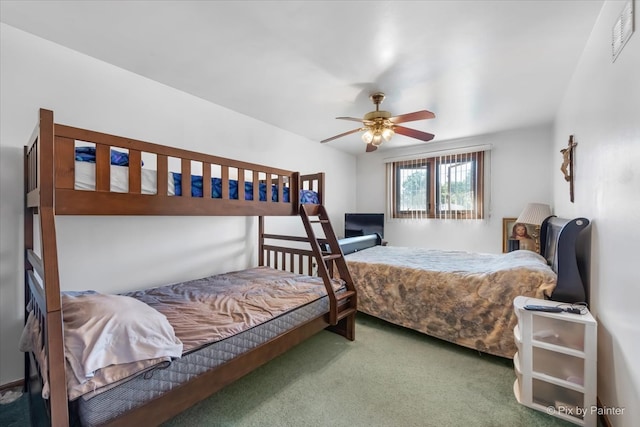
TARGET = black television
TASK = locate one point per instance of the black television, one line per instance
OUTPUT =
(362, 224)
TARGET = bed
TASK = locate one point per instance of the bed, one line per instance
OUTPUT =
(85, 179)
(467, 298)
(185, 341)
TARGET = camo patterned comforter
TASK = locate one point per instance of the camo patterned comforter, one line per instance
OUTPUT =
(462, 297)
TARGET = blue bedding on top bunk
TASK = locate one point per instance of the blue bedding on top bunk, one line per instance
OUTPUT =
(306, 196)
(88, 154)
(118, 158)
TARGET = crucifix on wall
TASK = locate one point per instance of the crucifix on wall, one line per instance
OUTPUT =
(567, 164)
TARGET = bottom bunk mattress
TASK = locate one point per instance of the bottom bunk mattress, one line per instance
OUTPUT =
(462, 297)
(153, 383)
(214, 320)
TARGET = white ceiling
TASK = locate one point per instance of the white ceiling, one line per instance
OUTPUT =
(480, 66)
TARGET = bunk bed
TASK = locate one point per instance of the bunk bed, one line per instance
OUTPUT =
(301, 281)
(467, 298)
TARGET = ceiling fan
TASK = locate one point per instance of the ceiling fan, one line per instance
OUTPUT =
(380, 126)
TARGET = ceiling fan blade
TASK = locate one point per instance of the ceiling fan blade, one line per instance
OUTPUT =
(371, 147)
(341, 135)
(424, 136)
(353, 119)
(409, 117)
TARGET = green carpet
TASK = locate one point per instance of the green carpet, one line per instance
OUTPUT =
(389, 376)
(16, 413)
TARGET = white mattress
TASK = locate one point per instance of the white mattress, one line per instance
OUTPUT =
(85, 179)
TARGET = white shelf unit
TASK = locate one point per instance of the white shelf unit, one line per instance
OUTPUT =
(556, 362)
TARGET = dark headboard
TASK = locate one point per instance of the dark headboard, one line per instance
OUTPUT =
(566, 245)
(358, 243)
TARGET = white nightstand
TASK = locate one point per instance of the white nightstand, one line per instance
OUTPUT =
(556, 361)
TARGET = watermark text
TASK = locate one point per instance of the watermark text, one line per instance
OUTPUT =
(580, 412)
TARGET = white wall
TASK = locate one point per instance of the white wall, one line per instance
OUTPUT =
(520, 172)
(601, 109)
(88, 93)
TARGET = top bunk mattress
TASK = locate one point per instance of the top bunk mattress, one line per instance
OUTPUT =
(85, 178)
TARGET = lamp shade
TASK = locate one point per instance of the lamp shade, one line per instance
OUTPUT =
(534, 213)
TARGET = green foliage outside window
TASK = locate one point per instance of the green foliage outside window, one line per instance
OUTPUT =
(439, 187)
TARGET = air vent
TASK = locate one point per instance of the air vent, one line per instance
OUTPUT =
(622, 30)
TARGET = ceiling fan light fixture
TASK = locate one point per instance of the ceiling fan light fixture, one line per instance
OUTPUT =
(367, 137)
(377, 134)
(387, 133)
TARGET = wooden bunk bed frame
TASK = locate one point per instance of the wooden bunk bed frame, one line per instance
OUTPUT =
(49, 191)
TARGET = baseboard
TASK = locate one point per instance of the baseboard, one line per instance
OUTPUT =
(602, 418)
(12, 385)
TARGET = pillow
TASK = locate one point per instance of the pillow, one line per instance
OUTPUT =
(88, 154)
(102, 330)
(308, 196)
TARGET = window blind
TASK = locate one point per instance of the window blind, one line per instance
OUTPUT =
(444, 184)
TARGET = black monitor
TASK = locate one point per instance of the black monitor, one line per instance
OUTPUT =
(362, 224)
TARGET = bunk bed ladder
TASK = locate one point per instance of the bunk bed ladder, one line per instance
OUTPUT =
(343, 306)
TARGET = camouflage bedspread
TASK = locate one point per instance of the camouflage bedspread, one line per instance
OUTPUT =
(462, 297)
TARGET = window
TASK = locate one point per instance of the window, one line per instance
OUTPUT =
(449, 186)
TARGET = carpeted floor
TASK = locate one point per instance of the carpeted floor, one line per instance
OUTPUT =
(15, 413)
(389, 376)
